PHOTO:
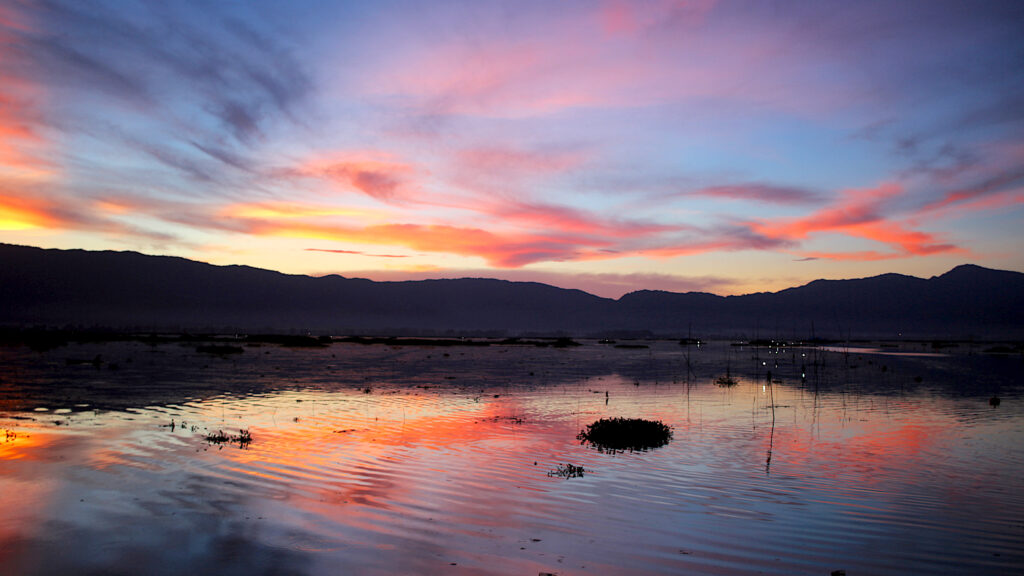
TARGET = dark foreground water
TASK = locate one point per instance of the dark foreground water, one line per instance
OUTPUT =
(417, 460)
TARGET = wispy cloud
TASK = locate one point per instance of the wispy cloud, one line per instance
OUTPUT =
(759, 192)
(183, 79)
(357, 253)
(376, 174)
(859, 213)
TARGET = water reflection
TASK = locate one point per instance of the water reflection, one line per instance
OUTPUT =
(380, 461)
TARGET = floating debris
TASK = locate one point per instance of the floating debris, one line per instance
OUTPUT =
(567, 471)
(620, 434)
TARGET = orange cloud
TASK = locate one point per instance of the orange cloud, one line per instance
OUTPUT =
(22, 213)
(357, 253)
(508, 250)
(291, 210)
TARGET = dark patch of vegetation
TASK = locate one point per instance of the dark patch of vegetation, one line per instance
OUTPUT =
(219, 349)
(567, 471)
(539, 342)
(1002, 349)
(725, 381)
(290, 340)
(621, 434)
(445, 342)
(243, 439)
(394, 341)
(96, 362)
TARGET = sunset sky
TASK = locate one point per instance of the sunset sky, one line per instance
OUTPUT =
(729, 147)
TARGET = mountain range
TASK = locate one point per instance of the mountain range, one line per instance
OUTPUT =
(129, 291)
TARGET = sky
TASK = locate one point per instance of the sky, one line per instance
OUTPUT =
(609, 146)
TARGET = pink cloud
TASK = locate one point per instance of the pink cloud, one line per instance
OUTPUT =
(373, 173)
(613, 54)
(517, 163)
(860, 214)
(992, 193)
(628, 18)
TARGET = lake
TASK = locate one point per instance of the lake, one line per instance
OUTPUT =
(377, 459)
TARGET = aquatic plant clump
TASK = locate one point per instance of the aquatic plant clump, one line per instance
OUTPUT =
(243, 439)
(725, 381)
(621, 434)
(568, 471)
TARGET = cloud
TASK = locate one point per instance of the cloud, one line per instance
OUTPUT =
(517, 163)
(766, 193)
(993, 192)
(859, 213)
(502, 250)
(357, 253)
(193, 91)
(40, 212)
(376, 174)
(22, 213)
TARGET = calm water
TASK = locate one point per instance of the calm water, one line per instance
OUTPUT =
(415, 460)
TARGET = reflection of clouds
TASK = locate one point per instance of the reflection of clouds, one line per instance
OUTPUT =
(408, 479)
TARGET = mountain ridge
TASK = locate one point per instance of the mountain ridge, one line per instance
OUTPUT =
(130, 290)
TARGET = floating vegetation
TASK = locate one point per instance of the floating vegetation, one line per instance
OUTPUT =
(243, 439)
(512, 419)
(567, 471)
(725, 381)
(621, 434)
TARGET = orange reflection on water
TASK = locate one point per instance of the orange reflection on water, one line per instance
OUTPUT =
(21, 444)
(27, 486)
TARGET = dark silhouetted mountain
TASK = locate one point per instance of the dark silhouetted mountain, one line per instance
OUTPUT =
(131, 291)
